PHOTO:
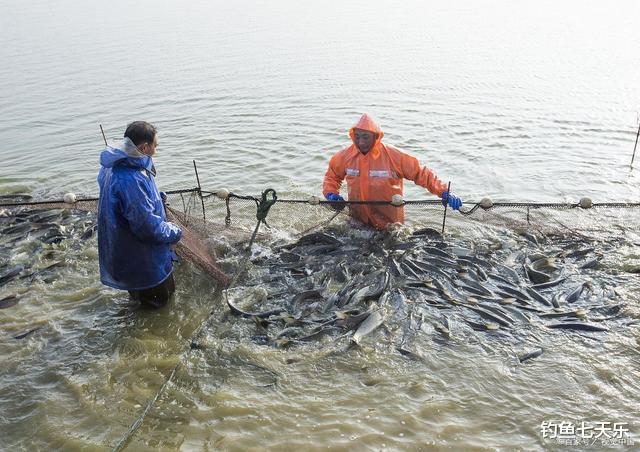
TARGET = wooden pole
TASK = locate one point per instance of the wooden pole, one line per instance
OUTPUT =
(105, 138)
(195, 168)
(635, 146)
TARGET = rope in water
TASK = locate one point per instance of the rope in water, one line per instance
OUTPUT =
(263, 206)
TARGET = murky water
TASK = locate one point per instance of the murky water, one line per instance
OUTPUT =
(532, 102)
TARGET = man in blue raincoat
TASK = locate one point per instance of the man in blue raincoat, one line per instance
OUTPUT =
(134, 236)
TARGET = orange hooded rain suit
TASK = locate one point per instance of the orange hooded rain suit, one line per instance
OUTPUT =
(376, 176)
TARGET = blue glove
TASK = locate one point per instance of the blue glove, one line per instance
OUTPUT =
(335, 197)
(454, 202)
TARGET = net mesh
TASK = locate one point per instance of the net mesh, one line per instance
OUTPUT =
(213, 222)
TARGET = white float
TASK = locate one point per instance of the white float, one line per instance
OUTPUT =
(222, 193)
(486, 203)
(397, 200)
(69, 198)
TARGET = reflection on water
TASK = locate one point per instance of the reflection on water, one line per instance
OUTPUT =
(516, 102)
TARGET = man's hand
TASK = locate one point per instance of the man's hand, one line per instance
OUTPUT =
(163, 196)
(335, 197)
(454, 202)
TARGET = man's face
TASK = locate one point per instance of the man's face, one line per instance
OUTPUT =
(364, 140)
(149, 148)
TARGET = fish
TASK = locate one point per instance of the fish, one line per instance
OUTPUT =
(89, 232)
(410, 269)
(530, 355)
(531, 237)
(427, 232)
(291, 331)
(554, 315)
(579, 253)
(511, 273)
(438, 252)
(369, 325)
(536, 276)
(420, 266)
(480, 274)
(475, 287)
(500, 278)
(351, 322)
(482, 326)
(591, 264)
(581, 326)
(513, 292)
(46, 273)
(412, 325)
(409, 353)
(537, 296)
(551, 283)
(261, 315)
(517, 313)
(25, 334)
(11, 274)
(544, 264)
(17, 229)
(45, 216)
(315, 238)
(313, 294)
(610, 310)
(495, 317)
(318, 332)
(341, 297)
(440, 261)
(9, 301)
(475, 260)
(444, 328)
(573, 295)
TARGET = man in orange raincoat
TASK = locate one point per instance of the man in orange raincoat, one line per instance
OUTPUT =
(375, 172)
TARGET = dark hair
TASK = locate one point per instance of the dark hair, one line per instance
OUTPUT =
(140, 132)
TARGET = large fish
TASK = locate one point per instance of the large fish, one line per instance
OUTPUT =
(530, 355)
(581, 326)
(9, 301)
(235, 310)
(573, 295)
(11, 274)
(369, 325)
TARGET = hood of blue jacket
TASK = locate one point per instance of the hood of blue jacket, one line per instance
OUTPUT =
(111, 157)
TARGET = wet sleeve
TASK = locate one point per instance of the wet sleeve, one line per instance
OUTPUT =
(138, 207)
(422, 175)
(333, 177)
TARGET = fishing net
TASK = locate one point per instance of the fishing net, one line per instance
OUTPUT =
(214, 222)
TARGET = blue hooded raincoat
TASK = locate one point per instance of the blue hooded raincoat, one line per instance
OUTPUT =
(134, 237)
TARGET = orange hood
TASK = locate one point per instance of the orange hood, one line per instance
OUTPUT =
(367, 123)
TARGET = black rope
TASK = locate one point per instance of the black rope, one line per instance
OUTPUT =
(434, 202)
(265, 204)
(195, 169)
(262, 210)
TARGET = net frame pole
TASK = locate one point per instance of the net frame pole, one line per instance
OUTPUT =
(105, 138)
(195, 169)
(446, 203)
(635, 146)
